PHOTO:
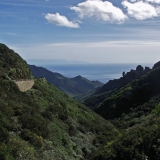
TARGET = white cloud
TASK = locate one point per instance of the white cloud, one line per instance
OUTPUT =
(140, 10)
(60, 20)
(100, 10)
(133, 0)
(153, 1)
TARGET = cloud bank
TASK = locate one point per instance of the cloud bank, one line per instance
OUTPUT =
(153, 1)
(100, 10)
(60, 20)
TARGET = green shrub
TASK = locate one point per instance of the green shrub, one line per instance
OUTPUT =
(6, 109)
(5, 152)
(36, 123)
(156, 111)
(4, 135)
(33, 138)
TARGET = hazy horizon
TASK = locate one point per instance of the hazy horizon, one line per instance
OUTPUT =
(91, 71)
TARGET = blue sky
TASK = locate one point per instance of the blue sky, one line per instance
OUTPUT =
(93, 31)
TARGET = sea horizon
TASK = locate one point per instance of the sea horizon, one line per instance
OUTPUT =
(100, 72)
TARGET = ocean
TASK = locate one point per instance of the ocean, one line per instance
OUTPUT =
(101, 72)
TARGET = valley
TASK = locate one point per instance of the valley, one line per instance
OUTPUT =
(113, 121)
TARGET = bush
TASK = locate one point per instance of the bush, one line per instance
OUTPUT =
(36, 123)
(4, 135)
(5, 152)
(33, 138)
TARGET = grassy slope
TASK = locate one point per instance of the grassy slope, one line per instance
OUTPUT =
(44, 123)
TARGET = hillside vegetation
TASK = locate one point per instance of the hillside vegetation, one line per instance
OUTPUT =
(111, 86)
(12, 66)
(135, 110)
(43, 123)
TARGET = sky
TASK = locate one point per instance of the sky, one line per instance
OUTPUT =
(89, 31)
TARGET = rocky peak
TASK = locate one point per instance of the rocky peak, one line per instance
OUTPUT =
(156, 65)
(139, 68)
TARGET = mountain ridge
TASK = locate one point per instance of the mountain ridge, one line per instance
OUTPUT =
(113, 85)
(72, 86)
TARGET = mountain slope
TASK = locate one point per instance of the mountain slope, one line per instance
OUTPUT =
(12, 66)
(135, 110)
(125, 79)
(44, 123)
(71, 86)
(113, 85)
(132, 95)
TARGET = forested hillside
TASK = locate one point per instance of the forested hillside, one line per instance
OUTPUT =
(135, 110)
(43, 123)
(12, 66)
(111, 86)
